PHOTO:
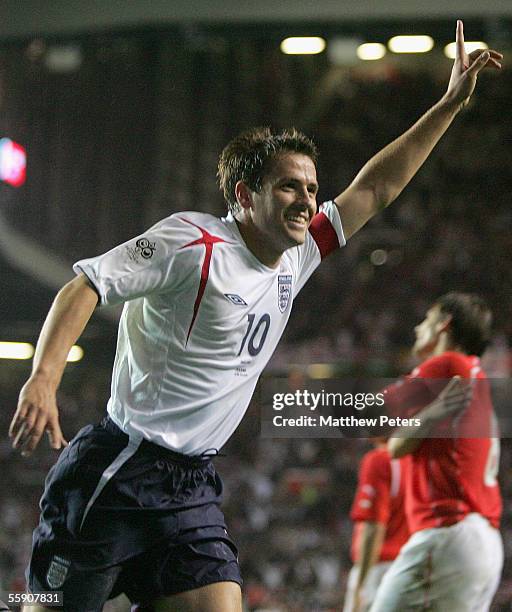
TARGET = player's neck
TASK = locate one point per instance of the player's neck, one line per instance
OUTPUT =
(443, 345)
(256, 243)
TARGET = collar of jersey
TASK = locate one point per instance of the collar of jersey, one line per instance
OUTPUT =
(231, 223)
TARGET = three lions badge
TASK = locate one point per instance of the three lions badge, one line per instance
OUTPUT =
(57, 572)
(284, 290)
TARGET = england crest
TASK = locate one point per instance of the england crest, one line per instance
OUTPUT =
(284, 290)
(57, 572)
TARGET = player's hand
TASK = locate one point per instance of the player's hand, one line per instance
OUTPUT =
(453, 398)
(467, 66)
(37, 412)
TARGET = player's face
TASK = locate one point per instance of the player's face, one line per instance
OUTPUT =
(286, 203)
(428, 332)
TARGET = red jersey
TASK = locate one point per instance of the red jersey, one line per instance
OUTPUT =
(380, 498)
(448, 478)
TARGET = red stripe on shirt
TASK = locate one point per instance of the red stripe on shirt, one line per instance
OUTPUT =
(205, 272)
(208, 240)
(324, 234)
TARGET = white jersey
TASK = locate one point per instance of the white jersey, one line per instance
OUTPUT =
(202, 318)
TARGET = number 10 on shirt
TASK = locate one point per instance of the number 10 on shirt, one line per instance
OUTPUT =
(255, 344)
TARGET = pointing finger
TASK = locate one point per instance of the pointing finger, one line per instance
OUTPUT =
(459, 40)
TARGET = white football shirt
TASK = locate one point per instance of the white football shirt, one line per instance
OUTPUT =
(201, 320)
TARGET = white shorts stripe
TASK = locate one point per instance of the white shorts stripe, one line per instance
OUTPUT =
(127, 452)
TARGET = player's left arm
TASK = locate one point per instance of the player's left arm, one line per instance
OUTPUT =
(385, 175)
(452, 399)
(372, 538)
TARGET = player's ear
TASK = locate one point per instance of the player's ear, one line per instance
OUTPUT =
(444, 323)
(243, 195)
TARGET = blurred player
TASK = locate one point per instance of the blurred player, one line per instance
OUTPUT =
(380, 526)
(454, 558)
(132, 505)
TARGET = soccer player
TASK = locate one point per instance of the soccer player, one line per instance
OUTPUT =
(454, 557)
(380, 526)
(132, 504)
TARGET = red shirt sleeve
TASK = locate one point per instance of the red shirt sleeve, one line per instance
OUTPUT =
(372, 499)
(419, 388)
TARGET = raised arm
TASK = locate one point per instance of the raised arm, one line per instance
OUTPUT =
(382, 179)
(37, 406)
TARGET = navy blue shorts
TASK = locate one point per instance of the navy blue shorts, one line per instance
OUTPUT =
(126, 516)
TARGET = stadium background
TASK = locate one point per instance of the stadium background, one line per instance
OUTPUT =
(123, 109)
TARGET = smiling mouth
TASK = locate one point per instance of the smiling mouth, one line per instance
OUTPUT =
(298, 220)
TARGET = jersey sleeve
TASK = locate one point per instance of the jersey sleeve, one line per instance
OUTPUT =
(325, 235)
(372, 499)
(138, 267)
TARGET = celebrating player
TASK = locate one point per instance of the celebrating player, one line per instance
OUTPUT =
(380, 526)
(132, 504)
(453, 559)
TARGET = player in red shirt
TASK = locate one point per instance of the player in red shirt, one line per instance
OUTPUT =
(380, 527)
(454, 558)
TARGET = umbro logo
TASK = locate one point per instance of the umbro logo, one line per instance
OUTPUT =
(235, 299)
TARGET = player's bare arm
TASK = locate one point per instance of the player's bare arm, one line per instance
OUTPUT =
(372, 537)
(37, 410)
(453, 399)
(383, 178)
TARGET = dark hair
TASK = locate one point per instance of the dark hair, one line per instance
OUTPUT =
(470, 326)
(246, 158)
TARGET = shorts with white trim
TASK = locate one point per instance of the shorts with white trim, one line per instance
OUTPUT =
(121, 515)
(454, 568)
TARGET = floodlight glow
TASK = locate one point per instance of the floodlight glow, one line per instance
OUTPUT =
(16, 350)
(470, 46)
(371, 51)
(302, 45)
(410, 44)
(320, 370)
(75, 354)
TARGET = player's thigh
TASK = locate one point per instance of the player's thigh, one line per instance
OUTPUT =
(216, 597)
(406, 584)
(440, 569)
(476, 551)
(495, 554)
